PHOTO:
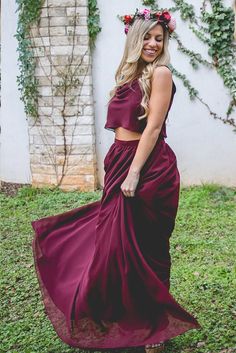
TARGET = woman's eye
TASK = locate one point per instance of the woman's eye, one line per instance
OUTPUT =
(147, 38)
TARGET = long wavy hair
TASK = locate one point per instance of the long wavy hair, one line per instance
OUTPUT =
(132, 66)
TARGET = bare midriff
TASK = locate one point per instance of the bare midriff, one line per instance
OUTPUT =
(123, 134)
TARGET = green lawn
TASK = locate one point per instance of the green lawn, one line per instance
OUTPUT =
(203, 276)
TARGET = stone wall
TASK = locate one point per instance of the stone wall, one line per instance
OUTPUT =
(62, 138)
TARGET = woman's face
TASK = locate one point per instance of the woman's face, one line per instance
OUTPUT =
(153, 44)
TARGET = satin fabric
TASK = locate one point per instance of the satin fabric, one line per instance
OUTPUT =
(104, 268)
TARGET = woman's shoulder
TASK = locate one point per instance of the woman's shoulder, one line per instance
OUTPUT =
(162, 71)
(162, 76)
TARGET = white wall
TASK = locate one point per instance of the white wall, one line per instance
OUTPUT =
(14, 151)
(205, 148)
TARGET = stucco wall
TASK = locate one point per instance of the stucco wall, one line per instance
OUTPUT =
(205, 148)
(14, 151)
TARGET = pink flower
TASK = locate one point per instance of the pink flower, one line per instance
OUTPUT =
(172, 24)
(146, 13)
(126, 29)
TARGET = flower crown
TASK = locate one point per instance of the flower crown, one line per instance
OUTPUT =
(162, 16)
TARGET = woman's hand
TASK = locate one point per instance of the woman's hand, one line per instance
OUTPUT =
(130, 183)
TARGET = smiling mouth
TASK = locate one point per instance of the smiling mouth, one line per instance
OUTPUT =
(150, 52)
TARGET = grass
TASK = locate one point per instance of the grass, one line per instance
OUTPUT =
(203, 276)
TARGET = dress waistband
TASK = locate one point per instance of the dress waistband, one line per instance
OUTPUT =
(132, 142)
(128, 143)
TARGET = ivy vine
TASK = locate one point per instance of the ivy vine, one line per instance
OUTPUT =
(215, 29)
(29, 14)
(210, 28)
(93, 21)
(221, 28)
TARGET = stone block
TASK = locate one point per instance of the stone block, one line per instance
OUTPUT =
(34, 32)
(43, 31)
(82, 20)
(44, 140)
(80, 169)
(42, 71)
(45, 112)
(45, 179)
(58, 101)
(71, 111)
(78, 30)
(74, 160)
(57, 11)
(84, 130)
(35, 158)
(60, 60)
(44, 22)
(61, 40)
(42, 130)
(77, 130)
(84, 139)
(57, 31)
(38, 51)
(41, 41)
(81, 50)
(81, 10)
(44, 12)
(59, 21)
(73, 180)
(45, 102)
(58, 120)
(88, 110)
(42, 169)
(87, 59)
(90, 179)
(42, 149)
(42, 159)
(64, 3)
(76, 149)
(83, 39)
(46, 120)
(45, 90)
(86, 90)
(44, 81)
(43, 61)
(85, 120)
(61, 50)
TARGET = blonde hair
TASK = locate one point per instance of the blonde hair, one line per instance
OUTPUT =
(130, 68)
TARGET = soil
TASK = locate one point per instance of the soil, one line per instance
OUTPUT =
(10, 189)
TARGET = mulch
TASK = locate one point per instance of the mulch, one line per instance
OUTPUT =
(10, 189)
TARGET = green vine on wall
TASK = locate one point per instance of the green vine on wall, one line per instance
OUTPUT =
(215, 29)
(29, 14)
(93, 21)
(220, 24)
(221, 27)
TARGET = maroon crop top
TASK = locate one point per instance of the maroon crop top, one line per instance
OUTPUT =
(124, 108)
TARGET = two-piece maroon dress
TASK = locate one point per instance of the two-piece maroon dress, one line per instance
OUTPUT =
(104, 268)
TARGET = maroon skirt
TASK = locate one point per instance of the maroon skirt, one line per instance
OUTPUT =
(104, 268)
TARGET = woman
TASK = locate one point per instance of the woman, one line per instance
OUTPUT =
(104, 268)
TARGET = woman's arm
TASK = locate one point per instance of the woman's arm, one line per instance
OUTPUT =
(161, 88)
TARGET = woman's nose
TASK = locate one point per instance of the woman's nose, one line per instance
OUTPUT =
(152, 42)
